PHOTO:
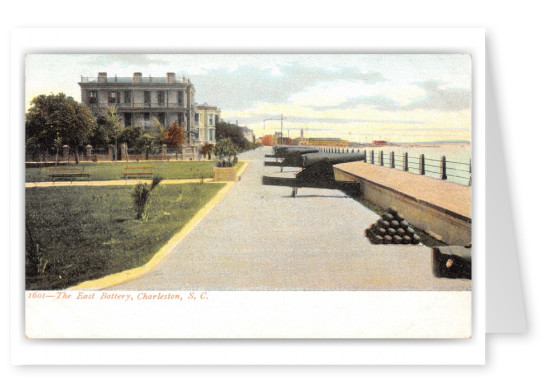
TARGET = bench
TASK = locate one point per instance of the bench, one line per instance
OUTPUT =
(66, 173)
(137, 172)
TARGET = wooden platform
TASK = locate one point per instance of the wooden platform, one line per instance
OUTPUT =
(435, 205)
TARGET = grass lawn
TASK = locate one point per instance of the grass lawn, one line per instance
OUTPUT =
(114, 171)
(76, 234)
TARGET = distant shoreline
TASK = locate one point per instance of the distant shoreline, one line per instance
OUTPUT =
(431, 144)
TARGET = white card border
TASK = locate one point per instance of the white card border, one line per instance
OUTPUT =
(24, 351)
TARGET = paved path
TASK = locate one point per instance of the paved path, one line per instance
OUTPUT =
(260, 238)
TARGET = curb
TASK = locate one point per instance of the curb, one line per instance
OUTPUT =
(132, 274)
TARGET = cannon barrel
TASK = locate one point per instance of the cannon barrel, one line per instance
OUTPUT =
(284, 150)
(332, 158)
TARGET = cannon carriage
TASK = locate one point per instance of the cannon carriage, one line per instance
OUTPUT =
(317, 172)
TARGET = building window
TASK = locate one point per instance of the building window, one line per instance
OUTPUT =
(162, 118)
(127, 97)
(112, 97)
(161, 98)
(211, 134)
(147, 98)
(180, 118)
(210, 119)
(196, 118)
(127, 119)
(92, 96)
(180, 98)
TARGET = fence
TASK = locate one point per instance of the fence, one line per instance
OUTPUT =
(104, 156)
(442, 168)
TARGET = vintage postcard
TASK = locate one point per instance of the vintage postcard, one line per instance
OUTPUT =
(242, 195)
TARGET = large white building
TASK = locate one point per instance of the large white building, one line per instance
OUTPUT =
(141, 98)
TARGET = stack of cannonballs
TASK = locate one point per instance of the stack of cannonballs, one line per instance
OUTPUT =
(392, 228)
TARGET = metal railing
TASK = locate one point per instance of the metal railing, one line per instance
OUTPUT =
(131, 80)
(139, 105)
(441, 168)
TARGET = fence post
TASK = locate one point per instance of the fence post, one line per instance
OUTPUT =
(405, 166)
(381, 158)
(443, 168)
(365, 156)
(470, 173)
(392, 159)
(372, 157)
(422, 164)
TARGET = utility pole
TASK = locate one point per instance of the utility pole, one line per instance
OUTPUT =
(276, 119)
(281, 133)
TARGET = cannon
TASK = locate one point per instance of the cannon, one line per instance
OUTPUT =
(281, 151)
(318, 173)
(452, 261)
(293, 158)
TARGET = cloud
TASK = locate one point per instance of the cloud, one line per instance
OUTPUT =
(246, 85)
(433, 97)
(441, 99)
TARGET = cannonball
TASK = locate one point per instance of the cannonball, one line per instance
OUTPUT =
(396, 239)
(392, 210)
(415, 239)
(410, 231)
(399, 217)
(377, 239)
(391, 231)
(406, 239)
(388, 217)
(381, 231)
(383, 223)
(404, 224)
(401, 231)
(395, 224)
(387, 239)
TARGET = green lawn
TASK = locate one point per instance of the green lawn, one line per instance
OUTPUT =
(74, 234)
(114, 171)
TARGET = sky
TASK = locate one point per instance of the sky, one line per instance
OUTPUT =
(359, 97)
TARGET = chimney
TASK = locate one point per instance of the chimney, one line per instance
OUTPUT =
(170, 77)
(102, 77)
(137, 77)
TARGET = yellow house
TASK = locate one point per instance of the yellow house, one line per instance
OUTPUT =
(206, 117)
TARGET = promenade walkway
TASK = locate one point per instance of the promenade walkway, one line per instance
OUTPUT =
(260, 238)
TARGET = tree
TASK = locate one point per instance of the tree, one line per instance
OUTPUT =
(206, 150)
(58, 117)
(174, 136)
(159, 131)
(233, 132)
(225, 149)
(267, 140)
(112, 127)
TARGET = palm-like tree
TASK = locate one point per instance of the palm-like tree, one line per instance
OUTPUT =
(206, 149)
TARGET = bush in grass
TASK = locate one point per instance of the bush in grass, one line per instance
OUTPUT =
(140, 195)
(224, 149)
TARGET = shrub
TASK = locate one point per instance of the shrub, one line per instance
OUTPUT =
(140, 196)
